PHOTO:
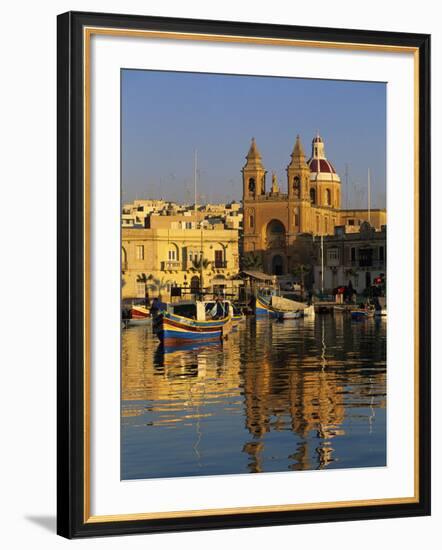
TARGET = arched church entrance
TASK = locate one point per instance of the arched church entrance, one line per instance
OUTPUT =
(277, 265)
(275, 234)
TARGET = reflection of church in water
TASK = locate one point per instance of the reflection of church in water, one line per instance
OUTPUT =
(274, 220)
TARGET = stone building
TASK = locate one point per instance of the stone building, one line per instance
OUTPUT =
(170, 254)
(273, 221)
(349, 256)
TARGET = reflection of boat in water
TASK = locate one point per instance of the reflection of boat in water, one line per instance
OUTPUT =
(286, 315)
(191, 345)
(193, 320)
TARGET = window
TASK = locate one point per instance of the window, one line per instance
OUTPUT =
(351, 222)
(219, 259)
(333, 254)
(172, 254)
(252, 185)
(141, 290)
(252, 221)
(365, 257)
(353, 254)
(313, 196)
(317, 224)
(139, 251)
(328, 197)
(381, 254)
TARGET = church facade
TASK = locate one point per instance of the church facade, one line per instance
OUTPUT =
(276, 224)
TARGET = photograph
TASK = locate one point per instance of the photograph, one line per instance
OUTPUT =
(253, 274)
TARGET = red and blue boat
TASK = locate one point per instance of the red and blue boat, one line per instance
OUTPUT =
(193, 322)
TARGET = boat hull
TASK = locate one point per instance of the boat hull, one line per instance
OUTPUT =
(172, 329)
(264, 310)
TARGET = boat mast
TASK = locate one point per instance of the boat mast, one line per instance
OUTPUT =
(369, 195)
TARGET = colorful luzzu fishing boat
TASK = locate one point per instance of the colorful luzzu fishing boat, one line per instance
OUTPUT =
(275, 307)
(193, 321)
(263, 307)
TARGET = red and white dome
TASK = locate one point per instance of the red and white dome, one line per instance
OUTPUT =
(321, 169)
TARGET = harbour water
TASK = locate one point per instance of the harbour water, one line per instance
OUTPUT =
(298, 395)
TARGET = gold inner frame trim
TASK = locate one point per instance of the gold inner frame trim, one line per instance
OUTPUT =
(87, 34)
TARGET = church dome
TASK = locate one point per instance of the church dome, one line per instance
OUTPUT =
(321, 169)
(321, 165)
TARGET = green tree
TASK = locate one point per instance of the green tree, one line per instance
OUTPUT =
(252, 261)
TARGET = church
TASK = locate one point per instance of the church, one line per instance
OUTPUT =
(276, 224)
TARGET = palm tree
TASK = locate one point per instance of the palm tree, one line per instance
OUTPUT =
(301, 271)
(200, 263)
(252, 261)
(198, 266)
(158, 285)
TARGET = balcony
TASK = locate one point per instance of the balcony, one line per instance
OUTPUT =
(171, 265)
(366, 264)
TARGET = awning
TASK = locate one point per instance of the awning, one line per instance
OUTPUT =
(259, 275)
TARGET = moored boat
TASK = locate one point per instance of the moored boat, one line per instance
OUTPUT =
(277, 307)
(194, 321)
(137, 315)
(361, 313)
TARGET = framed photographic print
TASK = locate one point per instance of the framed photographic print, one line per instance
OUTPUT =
(243, 274)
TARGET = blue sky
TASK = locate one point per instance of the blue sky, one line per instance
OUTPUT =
(167, 115)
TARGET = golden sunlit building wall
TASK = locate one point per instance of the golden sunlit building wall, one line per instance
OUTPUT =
(176, 254)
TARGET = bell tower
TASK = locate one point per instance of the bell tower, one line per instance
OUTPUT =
(298, 173)
(253, 174)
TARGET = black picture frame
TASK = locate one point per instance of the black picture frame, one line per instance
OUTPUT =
(72, 521)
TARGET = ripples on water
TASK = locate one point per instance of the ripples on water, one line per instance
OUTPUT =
(298, 395)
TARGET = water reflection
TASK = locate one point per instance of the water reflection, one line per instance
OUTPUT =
(303, 394)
